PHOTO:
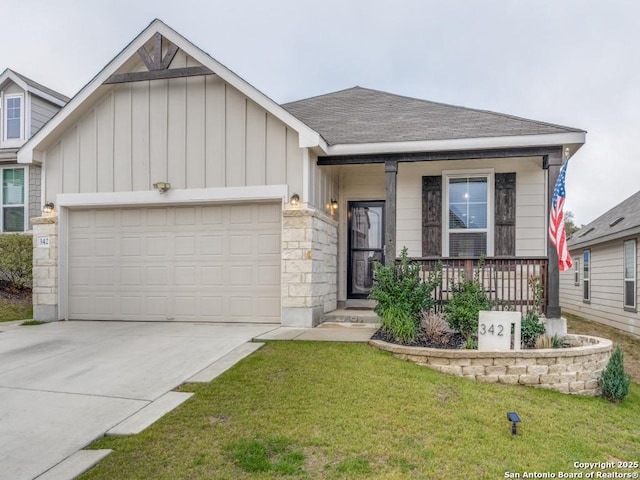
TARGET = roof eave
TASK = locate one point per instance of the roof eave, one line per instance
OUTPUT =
(307, 136)
(572, 140)
(606, 238)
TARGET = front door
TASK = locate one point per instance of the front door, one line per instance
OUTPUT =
(366, 245)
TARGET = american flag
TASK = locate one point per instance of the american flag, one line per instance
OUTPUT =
(556, 222)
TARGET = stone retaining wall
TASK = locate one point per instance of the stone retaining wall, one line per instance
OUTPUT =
(574, 370)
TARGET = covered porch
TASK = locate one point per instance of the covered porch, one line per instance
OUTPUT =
(412, 195)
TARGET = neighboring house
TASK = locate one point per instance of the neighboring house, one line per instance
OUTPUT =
(24, 107)
(184, 193)
(602, 285)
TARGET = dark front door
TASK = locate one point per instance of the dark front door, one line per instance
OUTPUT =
(366, 243)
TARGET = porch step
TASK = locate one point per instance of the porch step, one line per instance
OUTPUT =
(352, 315)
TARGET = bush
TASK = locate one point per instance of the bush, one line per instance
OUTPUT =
(400, 285)
(16, 258)
(532, 328)
(614, 382)
(463, 310)
(397, 322)
(436, 329)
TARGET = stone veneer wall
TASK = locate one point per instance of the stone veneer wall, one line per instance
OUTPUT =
(309, 267)
(45, 269)
(35, 178)
(573, 370)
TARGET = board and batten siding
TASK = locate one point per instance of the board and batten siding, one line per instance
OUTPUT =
(531, 210)
(323, 183)
(196, 132)
(41, 113)
(607, 287)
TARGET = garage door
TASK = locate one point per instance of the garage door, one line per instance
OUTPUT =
(217, 263)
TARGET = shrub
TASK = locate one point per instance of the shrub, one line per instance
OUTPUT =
(397, 322)
(546, 341)
(532, 328)
(614, 382)
(16, 258)
(436, 329)
(400, 285)
(463, 310)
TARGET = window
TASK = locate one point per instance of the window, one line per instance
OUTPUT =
(13, 129)
(576, 272)
(586, 279)
(468, 215)
(13, 199)
(630, 274)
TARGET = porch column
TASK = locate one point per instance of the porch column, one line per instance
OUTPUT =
(554, 162)
(391, 174)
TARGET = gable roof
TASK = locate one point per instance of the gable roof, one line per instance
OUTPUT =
(363, 116)
(34, 87)
(95, 88)
(621, 221)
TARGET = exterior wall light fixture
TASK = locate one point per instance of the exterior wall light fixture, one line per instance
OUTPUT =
(295, 200)
(162, 187)
(334, 204)
(48, 208)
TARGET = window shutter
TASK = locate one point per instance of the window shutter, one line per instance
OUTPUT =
(432, 216)
(505, 215)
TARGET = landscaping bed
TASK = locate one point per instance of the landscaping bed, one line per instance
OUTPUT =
(574, 369)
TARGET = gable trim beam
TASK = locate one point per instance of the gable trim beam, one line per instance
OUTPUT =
(439, 156)
(157, 75)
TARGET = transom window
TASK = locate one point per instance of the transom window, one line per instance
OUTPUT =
(13, 199)
(630, 274)
(13, 117)
(468, 218)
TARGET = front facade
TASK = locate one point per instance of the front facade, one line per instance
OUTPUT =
(602, 286)
(25, 106)
(183, 193)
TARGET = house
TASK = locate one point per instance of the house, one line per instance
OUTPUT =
(602, 285)
(182, 192)
(24, 107)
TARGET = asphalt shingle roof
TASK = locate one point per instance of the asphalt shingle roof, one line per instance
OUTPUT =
(41, 87)
(623, 217)
(361, 115)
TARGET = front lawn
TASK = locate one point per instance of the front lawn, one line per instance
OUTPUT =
(12, 308)
(331, 410)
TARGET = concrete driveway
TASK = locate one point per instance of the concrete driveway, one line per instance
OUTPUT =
(65, 384)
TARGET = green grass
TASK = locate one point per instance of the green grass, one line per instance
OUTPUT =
(14, 311)
(31, 323)
(341, 411)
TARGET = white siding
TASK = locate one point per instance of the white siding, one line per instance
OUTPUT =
(607, 288)
(530, 200)
(324, 185)
(192, 132)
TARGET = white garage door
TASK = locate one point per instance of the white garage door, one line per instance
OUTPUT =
(194, 263)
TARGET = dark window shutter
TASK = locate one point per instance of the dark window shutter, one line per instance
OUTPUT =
(432, 216)
(505, 215)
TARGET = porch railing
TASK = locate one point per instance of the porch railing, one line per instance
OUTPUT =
(507, 280)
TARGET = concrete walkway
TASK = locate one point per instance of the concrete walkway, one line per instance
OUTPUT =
(326, 332)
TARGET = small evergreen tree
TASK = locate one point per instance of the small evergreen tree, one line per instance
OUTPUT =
(614, 382)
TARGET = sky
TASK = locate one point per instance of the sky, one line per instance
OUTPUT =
(569, 62)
